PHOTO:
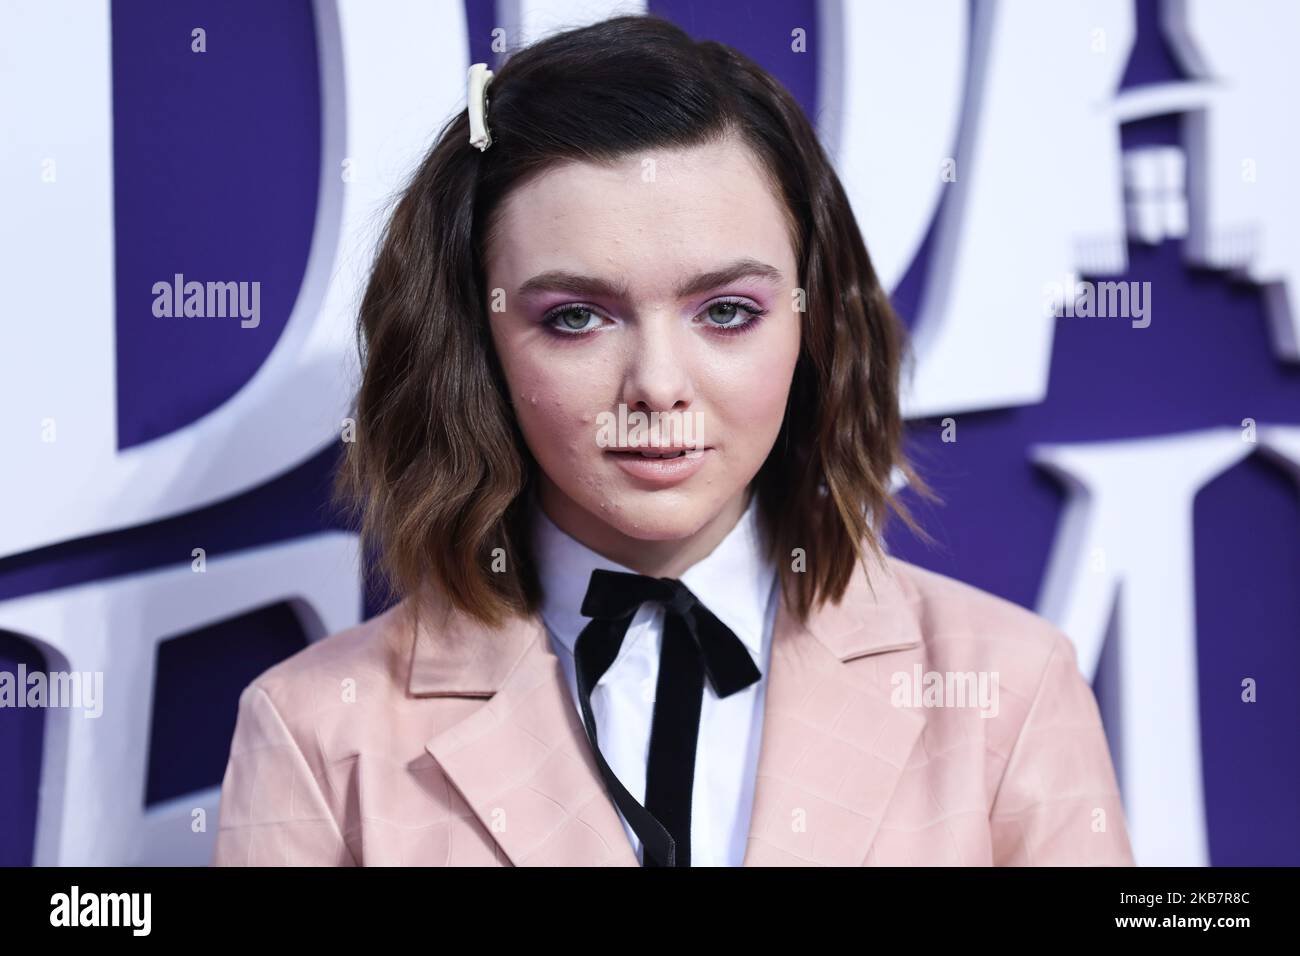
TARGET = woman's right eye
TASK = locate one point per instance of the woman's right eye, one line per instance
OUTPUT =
(572, 320)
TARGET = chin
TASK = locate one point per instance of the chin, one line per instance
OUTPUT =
(657, 530)
(659, 515)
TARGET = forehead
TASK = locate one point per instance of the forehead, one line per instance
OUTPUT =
(644, 218)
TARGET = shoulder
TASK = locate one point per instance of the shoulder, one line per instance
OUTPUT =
(364, 662)
(1035, 739)
(965, 627)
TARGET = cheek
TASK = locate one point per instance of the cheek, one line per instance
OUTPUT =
(752, 394)
(556, 405)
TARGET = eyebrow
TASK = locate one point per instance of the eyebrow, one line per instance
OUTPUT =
(558, 280)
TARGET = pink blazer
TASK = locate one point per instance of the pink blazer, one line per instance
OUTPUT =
(461, 746)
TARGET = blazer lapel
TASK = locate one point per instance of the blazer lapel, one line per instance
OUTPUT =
(833, 747)
(521, 761)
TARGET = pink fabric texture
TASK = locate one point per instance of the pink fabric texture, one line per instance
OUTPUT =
(458, 745)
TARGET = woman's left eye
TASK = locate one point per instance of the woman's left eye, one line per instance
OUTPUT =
(731, 315)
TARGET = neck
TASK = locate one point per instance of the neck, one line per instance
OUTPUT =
(668, 558)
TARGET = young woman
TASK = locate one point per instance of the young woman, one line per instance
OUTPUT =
(625, 442)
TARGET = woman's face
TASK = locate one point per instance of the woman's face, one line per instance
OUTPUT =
(663, 283)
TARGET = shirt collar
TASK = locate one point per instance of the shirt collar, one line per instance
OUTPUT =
(734, 581)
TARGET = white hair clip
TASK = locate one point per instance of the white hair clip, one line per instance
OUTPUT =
(479, 78)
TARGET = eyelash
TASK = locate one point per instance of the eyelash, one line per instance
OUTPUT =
(551, 318)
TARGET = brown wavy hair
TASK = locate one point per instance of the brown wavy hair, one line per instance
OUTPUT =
(439, 475)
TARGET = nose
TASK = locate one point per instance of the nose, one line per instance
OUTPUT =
(658, 374)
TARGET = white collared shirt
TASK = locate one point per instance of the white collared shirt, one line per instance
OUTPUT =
(737, 583)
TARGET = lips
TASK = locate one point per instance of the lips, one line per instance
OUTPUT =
(654, 452)
(660, 467)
